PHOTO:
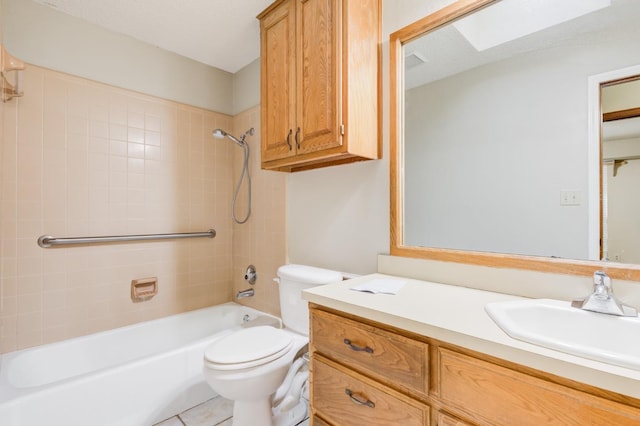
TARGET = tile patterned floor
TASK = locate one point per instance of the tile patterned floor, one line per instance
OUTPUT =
(214, 412)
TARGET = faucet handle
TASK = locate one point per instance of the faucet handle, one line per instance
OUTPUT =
(599, 277)
(602, 284)
(602, 299)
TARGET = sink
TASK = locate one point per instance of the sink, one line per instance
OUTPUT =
(556, 325)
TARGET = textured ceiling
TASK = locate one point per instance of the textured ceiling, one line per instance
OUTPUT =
(446, 52)
(222, 33)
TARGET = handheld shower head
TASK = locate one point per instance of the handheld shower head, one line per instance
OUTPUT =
(220, 134)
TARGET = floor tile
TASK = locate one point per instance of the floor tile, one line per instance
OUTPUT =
(209, 413)
(173, 421)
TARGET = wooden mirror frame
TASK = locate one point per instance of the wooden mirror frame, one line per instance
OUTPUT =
(495, 260)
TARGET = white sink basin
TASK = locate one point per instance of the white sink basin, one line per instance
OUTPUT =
(556, 325)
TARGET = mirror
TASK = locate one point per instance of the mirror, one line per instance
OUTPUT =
(496, 156)
(621, 170)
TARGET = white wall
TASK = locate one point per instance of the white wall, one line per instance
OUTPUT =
(338, 217)
(246, 87)
(495, 184)
(621, 96)
(623, 212)
(42, 36)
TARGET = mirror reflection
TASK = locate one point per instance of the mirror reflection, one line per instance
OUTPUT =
(496, 153)
(621, 171)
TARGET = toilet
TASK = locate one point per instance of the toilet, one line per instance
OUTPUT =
(248, 365)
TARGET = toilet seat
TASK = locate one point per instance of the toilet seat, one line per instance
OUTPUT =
(249, 347)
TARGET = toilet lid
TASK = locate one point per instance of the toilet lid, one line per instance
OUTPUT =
(248, 347)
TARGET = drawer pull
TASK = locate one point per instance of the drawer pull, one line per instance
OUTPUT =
(356, 348)
(359, 399)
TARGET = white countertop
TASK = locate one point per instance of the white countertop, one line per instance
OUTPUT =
(456, 315)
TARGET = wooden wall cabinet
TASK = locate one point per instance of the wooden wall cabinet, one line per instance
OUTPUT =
(320, 83)
(365, 373)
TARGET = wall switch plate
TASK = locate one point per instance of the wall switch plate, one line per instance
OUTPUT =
(570, 198)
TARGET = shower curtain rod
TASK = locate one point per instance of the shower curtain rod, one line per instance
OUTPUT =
(46, 241)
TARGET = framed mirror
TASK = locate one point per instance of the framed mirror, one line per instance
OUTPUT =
(496, 124)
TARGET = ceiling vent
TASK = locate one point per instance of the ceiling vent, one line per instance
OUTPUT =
(413, 59)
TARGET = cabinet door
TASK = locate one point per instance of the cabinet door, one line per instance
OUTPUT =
(278, 82)
(318, 71)
(497, 396)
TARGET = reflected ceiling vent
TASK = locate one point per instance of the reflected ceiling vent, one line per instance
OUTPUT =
(413, 59)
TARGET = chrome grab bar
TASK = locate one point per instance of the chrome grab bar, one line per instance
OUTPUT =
(46, 241)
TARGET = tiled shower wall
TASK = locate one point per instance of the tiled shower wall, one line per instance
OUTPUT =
(81, 158)
(262, 240)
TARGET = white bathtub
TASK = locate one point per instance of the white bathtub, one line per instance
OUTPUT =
(131, 376)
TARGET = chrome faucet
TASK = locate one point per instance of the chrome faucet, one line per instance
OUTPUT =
(602, 299)
(245, 293)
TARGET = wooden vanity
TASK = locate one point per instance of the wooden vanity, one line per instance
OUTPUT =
(412, 359)
(367, 373)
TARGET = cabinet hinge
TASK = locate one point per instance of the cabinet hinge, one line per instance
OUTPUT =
(342, 129)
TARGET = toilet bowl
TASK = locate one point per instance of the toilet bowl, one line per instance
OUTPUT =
(263, 355)
(249, 365)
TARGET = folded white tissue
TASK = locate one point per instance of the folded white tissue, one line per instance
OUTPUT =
(380, 285)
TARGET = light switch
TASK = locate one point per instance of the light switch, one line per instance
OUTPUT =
(570, 198)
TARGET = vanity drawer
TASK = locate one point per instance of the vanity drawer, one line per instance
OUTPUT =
(388, 357)
(505, 397)
(443, 419)
(346, 398)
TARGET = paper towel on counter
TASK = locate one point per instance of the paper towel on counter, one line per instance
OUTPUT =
(380, 285)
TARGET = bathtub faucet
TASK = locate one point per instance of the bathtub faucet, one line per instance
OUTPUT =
(245, 293)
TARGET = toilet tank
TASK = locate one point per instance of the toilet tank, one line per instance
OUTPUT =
(293, 279)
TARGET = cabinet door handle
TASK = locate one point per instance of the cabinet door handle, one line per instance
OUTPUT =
(356, 348)
(359, 399)
(289, 139)
(298, 138)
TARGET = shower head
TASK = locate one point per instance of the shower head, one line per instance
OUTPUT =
(220, 134)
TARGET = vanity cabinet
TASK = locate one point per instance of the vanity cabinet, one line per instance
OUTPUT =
(320, 83)
(364, 372)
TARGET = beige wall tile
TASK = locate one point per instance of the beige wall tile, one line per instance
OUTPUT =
(260, 241)
(81, 158)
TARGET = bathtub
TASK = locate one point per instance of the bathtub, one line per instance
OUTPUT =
(131, 376)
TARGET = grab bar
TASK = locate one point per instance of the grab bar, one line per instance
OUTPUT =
(46, 241)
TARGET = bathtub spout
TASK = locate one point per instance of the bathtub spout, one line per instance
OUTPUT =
(245, 293)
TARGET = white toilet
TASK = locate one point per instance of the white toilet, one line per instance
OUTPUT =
(249, 365)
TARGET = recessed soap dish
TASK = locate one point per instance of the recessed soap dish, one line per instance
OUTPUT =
(144, 289)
